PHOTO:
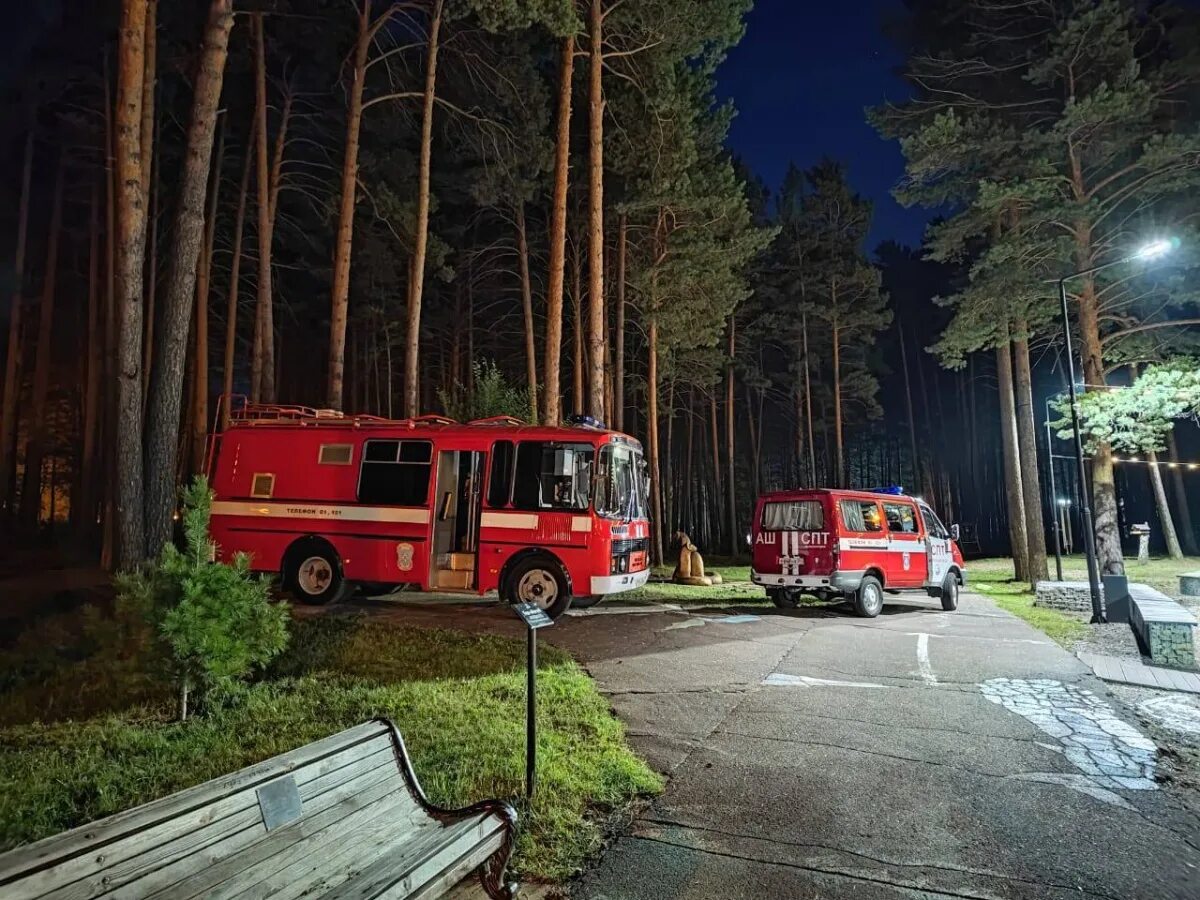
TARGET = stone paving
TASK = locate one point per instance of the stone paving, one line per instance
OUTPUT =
(1111, 752)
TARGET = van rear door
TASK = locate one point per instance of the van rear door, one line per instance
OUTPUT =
(793, 536)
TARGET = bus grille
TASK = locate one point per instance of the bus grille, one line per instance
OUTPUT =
(631, 545)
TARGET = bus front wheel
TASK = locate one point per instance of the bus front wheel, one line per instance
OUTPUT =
(539, 580)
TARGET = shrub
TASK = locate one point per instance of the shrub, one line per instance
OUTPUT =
(214, 622)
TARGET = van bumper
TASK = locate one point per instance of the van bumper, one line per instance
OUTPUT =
(842, 581)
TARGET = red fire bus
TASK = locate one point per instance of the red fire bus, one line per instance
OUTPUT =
(328, 502)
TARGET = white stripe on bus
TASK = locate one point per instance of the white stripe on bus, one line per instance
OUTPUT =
(509, 520)
(319, 511)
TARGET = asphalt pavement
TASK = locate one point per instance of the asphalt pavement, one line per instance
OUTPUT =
(921, 754)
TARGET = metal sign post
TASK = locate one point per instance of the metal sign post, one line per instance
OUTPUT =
(534, 618)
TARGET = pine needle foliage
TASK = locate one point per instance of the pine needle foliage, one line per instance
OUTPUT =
(214, 622)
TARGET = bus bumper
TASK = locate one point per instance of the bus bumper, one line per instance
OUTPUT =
(615, 584)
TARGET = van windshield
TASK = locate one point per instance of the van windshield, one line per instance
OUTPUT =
(793, 515)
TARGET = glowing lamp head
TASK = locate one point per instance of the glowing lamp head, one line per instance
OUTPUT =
(1157, 249)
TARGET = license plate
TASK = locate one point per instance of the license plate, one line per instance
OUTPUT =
(637, 561)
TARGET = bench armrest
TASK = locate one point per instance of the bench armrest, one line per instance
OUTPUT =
(494, 870)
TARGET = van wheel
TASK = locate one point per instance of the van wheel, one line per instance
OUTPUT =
(950, 593)
(539, 580)
(784, 598)
(313, 574)
(868, 599)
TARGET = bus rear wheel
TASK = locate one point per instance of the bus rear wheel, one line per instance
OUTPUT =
(539, 580)
(312, 573)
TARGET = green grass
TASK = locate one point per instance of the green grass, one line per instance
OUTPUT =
(1159, 572)
(995, 578)
(736, 589)
(458, 699)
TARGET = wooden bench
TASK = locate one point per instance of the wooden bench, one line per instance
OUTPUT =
(344, 817)
(1164, 628)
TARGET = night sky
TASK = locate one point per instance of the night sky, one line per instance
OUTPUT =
(801, 78)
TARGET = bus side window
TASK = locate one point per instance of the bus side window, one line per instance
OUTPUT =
(395, 473)
(500, 477)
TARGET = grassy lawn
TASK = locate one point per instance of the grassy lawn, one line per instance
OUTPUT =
(84, 733)
(1159, 572)
(736, 589)
(994, 577)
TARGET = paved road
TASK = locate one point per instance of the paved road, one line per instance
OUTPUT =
(812, 754)
(922, 754)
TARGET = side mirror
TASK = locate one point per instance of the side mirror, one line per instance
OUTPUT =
(954, 532)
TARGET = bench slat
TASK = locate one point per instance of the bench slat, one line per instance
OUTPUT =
(231, 852)
(199, 798)
(453, 874)
(360, 835)
(103, 869)
(315, 874)
(402, 873)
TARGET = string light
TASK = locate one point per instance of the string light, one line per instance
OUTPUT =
(1172, 464)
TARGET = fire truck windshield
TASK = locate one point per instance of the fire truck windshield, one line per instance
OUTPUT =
(617, 494)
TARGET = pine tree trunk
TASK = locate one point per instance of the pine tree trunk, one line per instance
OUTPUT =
(150, 191)
(731, 490)
(83, 503)
(262, 369)
(527, 309)
(35, 445)
(912, 425)
(12, 362)
(162, 426)
(235, 272)
(345, 233)
(1164, 511)
(718, 493)
(154, 196)
(839, 473)
(669, 519)
(109, 392)
(577, 377)
(808, 406)
(131, 255)
(1014, 493)
(595, 329)
(416, 272)
(690, 487)
(1188, 535)
(619, 327)
(203, 282)
(552, 391)
(1104, 489)
(1031, 485)
(652, 432)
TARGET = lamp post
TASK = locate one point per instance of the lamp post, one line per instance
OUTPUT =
(1150, 251)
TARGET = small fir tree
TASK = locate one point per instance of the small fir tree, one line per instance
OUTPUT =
(215, 622)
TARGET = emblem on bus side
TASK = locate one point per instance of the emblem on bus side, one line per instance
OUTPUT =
(404, 556)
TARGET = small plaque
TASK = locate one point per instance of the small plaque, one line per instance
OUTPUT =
(533, 615)
(279, 802)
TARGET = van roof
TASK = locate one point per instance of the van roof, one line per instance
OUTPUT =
(852, 493)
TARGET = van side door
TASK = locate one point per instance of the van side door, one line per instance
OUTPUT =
(907, 565)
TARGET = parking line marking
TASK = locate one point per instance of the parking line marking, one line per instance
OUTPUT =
(923, 658)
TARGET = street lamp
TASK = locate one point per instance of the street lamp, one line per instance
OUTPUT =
(1150, 251)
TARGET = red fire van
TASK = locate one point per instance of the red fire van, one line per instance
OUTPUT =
(328, 501)
(854, 544)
